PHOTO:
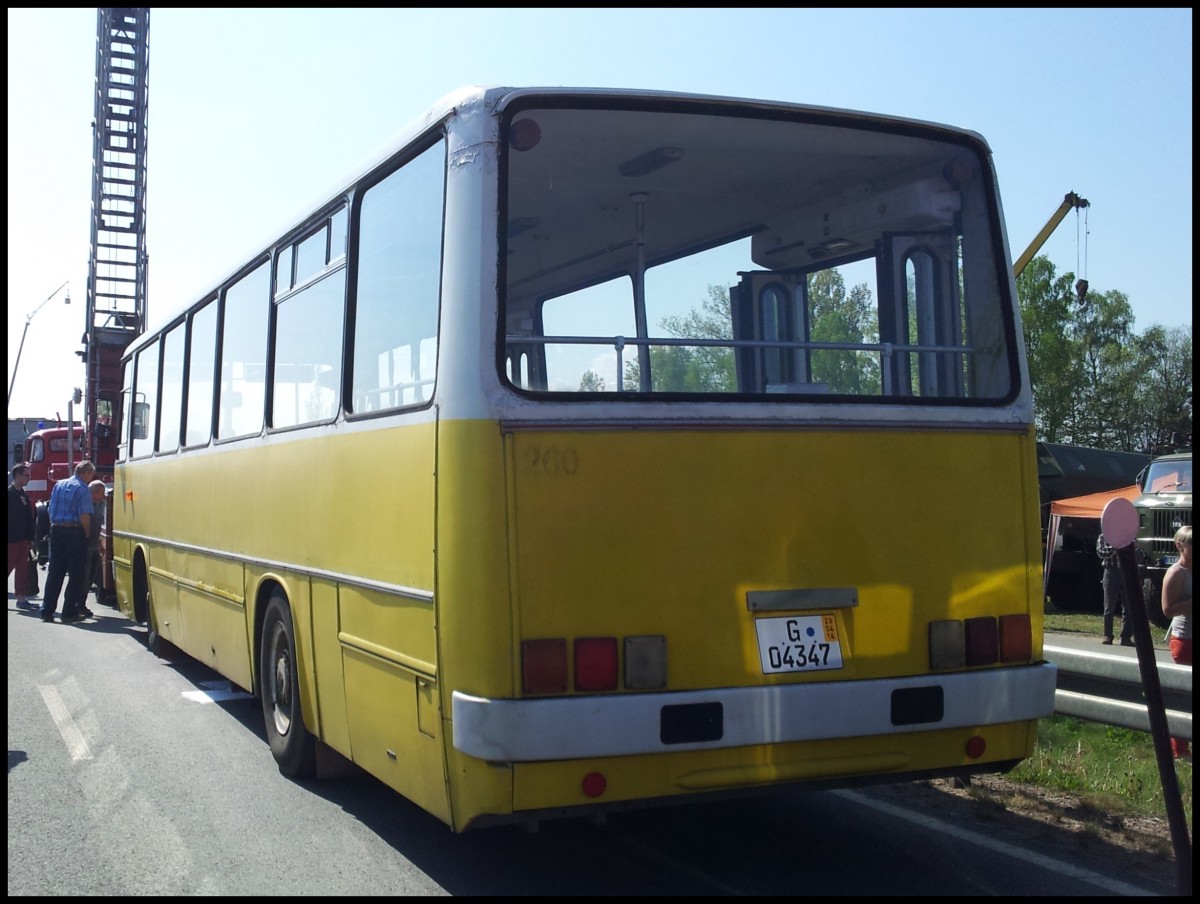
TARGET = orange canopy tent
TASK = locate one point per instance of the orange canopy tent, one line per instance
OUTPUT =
(1089, 506)
(1092, 505)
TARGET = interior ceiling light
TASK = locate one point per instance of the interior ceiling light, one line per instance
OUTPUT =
(833, 246)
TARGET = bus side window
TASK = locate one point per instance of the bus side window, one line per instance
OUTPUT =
(395, 339)
(141, 419)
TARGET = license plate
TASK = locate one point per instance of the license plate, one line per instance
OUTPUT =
(802, 643)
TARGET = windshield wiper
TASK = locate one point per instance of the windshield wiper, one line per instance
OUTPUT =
(1169, 486)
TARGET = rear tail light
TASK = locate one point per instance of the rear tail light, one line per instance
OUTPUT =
(595, 663)
(544, 666)
(1016, 638)
(645, 662)
(947, 649)
(983, 643)
(954, 644)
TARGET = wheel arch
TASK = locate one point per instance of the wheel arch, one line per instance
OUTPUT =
(267, 586)
(140, 582)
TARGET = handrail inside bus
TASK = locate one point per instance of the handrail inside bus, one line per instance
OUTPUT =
(885, 349)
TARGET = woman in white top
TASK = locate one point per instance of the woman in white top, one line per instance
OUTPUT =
(1177, 606)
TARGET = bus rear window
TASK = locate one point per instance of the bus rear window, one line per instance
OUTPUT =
(707, 255)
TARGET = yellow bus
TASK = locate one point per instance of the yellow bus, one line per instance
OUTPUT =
(599, 448)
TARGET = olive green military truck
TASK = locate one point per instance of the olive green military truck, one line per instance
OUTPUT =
(1164, 506)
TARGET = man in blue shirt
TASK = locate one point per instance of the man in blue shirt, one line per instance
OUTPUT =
(70, 523)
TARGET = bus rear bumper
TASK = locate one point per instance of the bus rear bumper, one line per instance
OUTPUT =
(560, 728)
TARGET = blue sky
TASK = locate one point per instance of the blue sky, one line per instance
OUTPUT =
(257, 115)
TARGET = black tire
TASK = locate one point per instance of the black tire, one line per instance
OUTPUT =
(1152, 597)
(141, 589)
(41, 534)
(292, 745)
(143, 610)
(154, 641)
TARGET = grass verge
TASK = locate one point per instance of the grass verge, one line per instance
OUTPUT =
(1061, 622)
(1111, 770)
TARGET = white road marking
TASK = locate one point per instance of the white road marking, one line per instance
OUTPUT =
(1067, 869)
(71, 735)
(215, 692)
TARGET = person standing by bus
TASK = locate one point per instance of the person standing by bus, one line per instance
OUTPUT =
(21, 524)
(70, 522)
(95, 578)
(1114, 594)
(1177, 606)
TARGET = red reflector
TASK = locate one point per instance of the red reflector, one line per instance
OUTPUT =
(982, 640)
(544, 666)
(595, 663)
(975, 747)
(594, 784)
(1016, 638)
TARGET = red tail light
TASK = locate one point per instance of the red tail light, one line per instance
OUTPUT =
(982, 641)
(544, 666)
(595, 663)
(1016, 638)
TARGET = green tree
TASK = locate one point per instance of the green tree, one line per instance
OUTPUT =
(682, 368)
(843, 316)
(591, 382)
(1095, 381)
(1164, 388)
(1047, 312)
(837, 316)
(1102, 331)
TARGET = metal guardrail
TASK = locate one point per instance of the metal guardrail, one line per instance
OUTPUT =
(1107, 688)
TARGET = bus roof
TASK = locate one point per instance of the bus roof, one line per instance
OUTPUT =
(465, 100)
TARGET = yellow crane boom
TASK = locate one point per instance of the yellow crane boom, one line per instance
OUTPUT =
(1071, 201)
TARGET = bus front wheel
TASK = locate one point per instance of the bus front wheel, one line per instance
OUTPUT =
(143, 609)
(154, 641)
(292, 745)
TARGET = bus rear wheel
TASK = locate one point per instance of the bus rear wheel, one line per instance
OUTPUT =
(292, 745)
